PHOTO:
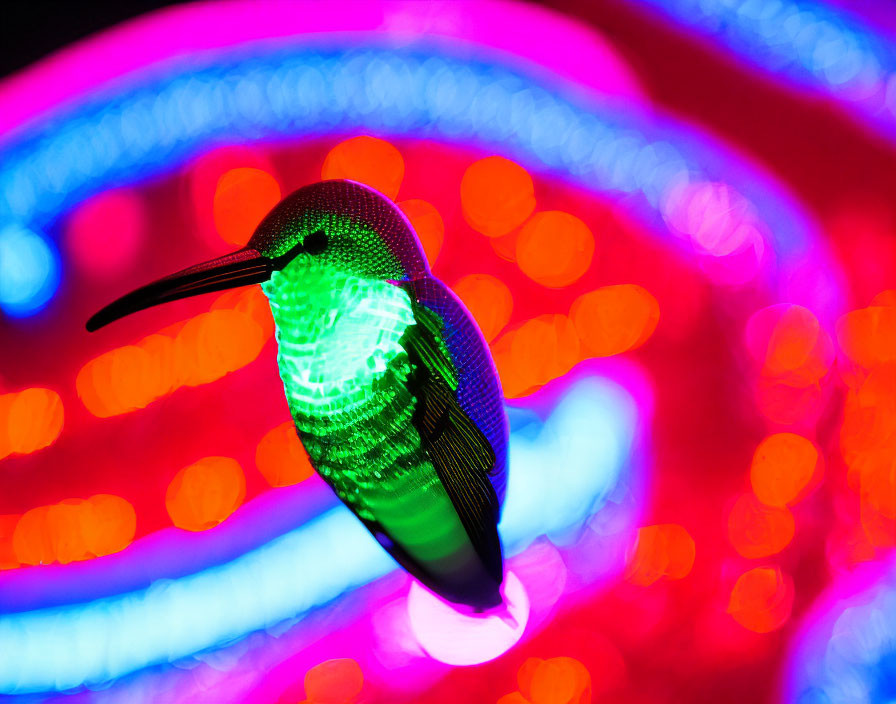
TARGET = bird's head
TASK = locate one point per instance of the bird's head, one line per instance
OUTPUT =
(338, 225)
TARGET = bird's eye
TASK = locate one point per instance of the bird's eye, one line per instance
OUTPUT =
(316, 242)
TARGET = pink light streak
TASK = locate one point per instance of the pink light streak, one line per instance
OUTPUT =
(527, 34)
(455, 638)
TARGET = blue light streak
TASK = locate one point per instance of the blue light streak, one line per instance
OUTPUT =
(848, 654)
(158, 123)
(563, 471)
(819, 48)
(29, 271)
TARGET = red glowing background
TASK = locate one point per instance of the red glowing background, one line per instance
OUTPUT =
(771, 449)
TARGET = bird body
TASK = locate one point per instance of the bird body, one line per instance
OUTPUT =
(389, 383)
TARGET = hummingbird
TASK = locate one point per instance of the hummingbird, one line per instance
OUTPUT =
(390, 385)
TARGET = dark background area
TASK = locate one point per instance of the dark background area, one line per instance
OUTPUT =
(31, 29)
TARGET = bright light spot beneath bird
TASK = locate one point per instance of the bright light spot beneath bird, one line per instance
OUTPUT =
(29, 271)
(454, 638)
(588, 437)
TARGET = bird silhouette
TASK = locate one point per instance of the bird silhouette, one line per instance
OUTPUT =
(390, 385)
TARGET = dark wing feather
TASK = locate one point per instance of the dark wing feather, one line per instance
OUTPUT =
(478, 390)
(460, 453)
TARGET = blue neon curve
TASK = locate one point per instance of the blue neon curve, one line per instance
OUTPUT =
(563, 471)
(816, 46)
(848, 654)
(150, 125)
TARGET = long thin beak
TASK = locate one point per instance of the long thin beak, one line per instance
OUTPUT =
(241, 268)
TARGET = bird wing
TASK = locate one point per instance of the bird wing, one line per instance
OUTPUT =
(461, 454)
(478, 392)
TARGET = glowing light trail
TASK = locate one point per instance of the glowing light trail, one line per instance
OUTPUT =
(847, 650)
(290, 89)
(587, 440)
(819, 48)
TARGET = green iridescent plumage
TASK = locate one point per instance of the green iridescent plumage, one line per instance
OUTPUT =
(360, 363)
(390, 386)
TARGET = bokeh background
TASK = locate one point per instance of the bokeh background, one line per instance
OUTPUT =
(675, 222)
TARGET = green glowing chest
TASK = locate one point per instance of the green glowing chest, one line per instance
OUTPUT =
(345, 373)
(340, 354)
